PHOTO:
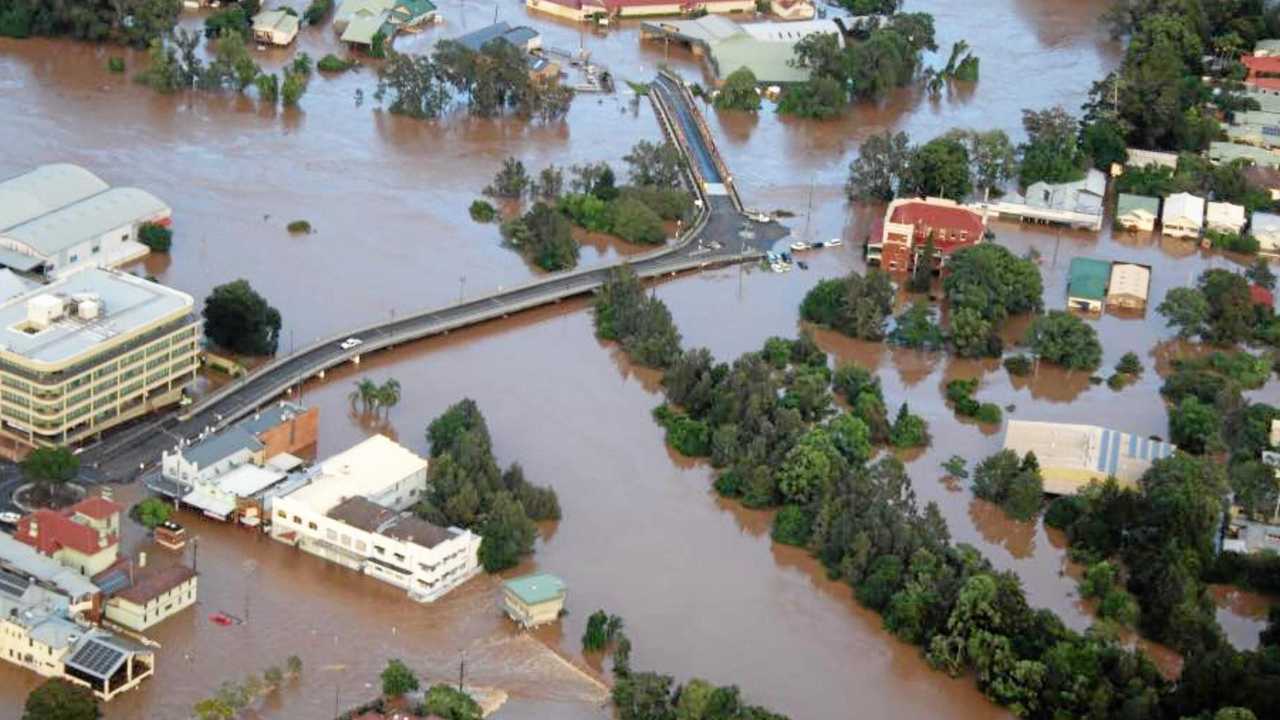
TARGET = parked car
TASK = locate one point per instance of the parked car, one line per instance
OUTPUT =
(350, 343)
(10, 518)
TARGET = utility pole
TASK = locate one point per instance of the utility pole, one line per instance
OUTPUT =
(462, 669)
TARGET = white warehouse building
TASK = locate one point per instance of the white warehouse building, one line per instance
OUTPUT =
(59, 218)
(352, 512)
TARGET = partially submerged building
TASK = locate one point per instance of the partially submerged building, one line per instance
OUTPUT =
(1087, 284)
(226, 475)
(1265, 228)
(89, 351)
(357, 22)
(767, 49)
(1224, 217)
(48, 614)
(351, 511)
(911, 223)
(1183, 215)
(58, 218)
(581, 10)
(275, 27)
(1071, 456)
(84, 537)
(150, 595)
(1076, 204)
(1137, 212)
(533, 600)
(1128, 286)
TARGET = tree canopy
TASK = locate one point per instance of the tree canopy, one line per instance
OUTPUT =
(236, 317)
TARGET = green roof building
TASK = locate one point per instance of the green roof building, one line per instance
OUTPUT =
(533, 600)
(1087, 286)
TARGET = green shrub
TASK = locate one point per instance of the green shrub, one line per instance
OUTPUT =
(157, 237)
(115, 64)
(299, 227)
(1117, 381)
(316, 12)
(1064, 511)
(378, 45)
(151, 512)
(333, 64)
(635, 222)
(792, 526)
(687, 436)
(1130, 364)
(728, 484)
(1232, 242)
(958, 390)
(1018, 365)
(482, 212)
(16, 21)
(988, 413)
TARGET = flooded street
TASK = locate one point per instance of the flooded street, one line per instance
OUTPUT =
(702, 588)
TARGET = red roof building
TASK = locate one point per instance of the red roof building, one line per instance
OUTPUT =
(910, 223)
(97, 508)
(1261, 295)
(77, 545)
(1263, 71)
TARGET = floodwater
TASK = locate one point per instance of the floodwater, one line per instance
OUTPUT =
(703, 590)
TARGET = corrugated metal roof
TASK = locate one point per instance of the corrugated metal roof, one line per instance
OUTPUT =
(86, 219)
(221, 446)
(43, 190)
(1129, 279)
(1088, 278)
(1126, 203)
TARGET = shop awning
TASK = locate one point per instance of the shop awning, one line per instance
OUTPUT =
(212, 506)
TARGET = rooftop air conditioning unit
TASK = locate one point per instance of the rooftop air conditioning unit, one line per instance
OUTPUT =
(44, 310)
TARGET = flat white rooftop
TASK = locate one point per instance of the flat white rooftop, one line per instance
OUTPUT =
(126, 304)
(365, 470)
(43, 190)
(248, 480)
(1071, 455)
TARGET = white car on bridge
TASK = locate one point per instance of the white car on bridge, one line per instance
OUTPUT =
(350, 343)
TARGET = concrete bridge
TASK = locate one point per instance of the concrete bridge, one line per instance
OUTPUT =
(720, 233)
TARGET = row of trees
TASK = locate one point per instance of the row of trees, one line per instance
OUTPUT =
(467, 489)
(1219, 309)
(649, 695)
(374, 397)
(884, 54)
(173, 65)
(949, 166)
(491, 82)
(128, 22)
(592, 200)
(232, 698)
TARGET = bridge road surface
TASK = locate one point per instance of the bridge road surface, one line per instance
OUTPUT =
(721, 235)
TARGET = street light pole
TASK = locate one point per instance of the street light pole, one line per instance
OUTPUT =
(462, 284)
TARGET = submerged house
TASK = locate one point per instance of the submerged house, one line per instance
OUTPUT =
(1129, 286)
(533, 600)
(1224, 217)
(1137, 212)
(1076, 204)
(1071, 456)
(1087, 284)
(767, 49)
(1266, 230)
(1183, 215)
(275, 27)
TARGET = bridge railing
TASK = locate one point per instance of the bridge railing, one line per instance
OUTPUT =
(708, 140)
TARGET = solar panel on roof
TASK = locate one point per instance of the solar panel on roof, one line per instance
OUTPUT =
(97, 658)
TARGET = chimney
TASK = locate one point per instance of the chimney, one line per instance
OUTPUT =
(142, 559)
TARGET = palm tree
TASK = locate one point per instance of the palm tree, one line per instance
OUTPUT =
(367, 393)
(389, 394)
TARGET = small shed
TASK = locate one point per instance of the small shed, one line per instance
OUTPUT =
(1087, 284)
(1129, 286)
(1183, 215)
(275, 27)
(1137, 212)
(1224, 217)
(533, 600)
(1266, 229)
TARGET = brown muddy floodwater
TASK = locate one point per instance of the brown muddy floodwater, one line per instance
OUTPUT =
(703, 590)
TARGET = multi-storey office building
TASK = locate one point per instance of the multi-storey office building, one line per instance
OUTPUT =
(89, 351)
